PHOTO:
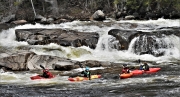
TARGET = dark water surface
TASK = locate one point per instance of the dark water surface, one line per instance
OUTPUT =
(165, 83)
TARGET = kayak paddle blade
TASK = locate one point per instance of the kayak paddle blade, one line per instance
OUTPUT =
(42, 67)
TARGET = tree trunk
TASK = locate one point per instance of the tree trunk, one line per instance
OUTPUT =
(55, 7)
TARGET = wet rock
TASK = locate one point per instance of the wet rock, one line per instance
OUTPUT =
(123, 36)
(16, 61)
(5, 26)
(63, 66)
(3, 70)
(59, 36)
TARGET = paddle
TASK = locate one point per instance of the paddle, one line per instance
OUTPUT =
(131, 68)
(42, 67)
(80, 65)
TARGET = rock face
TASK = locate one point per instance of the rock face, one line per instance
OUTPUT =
(122, 36)
(59, 36)
(23, 61)
(15, 61)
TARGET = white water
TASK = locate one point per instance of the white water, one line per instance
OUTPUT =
(23, 78)
(7, 39)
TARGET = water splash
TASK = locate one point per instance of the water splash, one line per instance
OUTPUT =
(105, 50)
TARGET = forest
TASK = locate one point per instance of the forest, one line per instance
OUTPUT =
(83, 8)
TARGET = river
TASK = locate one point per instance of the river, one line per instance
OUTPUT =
(164, 83)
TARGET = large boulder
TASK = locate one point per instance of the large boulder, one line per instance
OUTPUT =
(98, 15)
(16, 61)
(123, 36)
(59, 36)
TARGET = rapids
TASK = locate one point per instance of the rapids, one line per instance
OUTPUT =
(164, 83)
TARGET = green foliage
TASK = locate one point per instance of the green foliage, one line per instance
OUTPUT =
(17, 3)
(116, 1)
(132, 4)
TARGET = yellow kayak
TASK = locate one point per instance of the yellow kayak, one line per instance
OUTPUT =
(78, 78)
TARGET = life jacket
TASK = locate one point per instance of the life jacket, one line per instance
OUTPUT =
(86, 73)
(125, 70)
(145, 67)
(141, 67)
(47, 74)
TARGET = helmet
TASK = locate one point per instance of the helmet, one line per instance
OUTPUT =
(87, 68)
(145, 63)
(124, 65)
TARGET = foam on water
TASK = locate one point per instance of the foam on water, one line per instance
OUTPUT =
(7, 38)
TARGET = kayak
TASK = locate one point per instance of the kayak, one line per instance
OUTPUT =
(152, 70)
(78, 78)
(125, 75)
(139, 72)
(36, 77)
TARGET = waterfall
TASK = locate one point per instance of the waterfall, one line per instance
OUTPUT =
(154, 45)
(33, 8)
(108, 43)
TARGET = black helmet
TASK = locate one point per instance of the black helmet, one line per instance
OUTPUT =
(125, 65)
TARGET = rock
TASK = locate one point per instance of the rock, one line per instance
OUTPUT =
(123, 36)
(39, 17)
(8, 19)
(5, 26)
(35, 61)
(63, 66)
(136, 15)
(98, 15)
(15, 61)
(120, 14)
(146, 42)
(129, 17)
(3, 70)
(59, 36)
(18, 22)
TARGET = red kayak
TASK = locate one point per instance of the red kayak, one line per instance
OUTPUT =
(152, 70)
(125, 75)
(139, 72)
(40, 77)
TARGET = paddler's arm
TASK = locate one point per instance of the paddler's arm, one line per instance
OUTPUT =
(89, 75)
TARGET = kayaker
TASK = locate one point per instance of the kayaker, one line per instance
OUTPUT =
(87, 73)
(140, 65)
(47, 74)
(125, 69)
(145, 67)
